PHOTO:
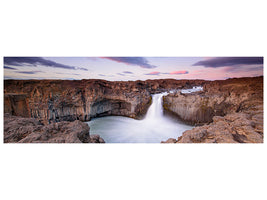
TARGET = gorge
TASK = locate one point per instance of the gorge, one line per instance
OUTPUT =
(154, 128)
(219, 108)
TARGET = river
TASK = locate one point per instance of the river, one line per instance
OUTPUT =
(154, 128)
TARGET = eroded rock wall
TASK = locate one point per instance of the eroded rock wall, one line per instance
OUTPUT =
(234, 107)
(64, 100)
(16, 104)
(218, 99)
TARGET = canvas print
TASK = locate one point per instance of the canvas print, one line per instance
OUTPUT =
(133, 100)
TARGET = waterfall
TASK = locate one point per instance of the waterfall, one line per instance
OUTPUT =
(154, 128)
(155, 111)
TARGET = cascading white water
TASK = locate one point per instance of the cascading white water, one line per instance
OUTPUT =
(154, 128)
(155, 111)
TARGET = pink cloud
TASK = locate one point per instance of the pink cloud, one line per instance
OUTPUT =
(153, 73)
(179, 72)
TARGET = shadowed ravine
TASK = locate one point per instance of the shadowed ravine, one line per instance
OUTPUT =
(154, 128)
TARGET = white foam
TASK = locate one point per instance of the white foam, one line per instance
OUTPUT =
(194, 89)
(154, 128)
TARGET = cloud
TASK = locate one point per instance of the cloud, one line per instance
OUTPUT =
(153, 73)
(29, 72)
(169, 73)
(229, 61)
(68, 73)
(101, 75)
(121, 74)
(6, 67)
(127, 72)
(34, 61)
(138, 61)
(179, 72)
(246, 68)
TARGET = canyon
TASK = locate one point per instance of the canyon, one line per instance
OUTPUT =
(220, 107)
(231, 111)
(64, 100)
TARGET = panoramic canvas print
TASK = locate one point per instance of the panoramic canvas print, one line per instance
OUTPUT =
(133, 100)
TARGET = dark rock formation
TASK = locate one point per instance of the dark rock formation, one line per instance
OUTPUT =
(96, 139)
(29, 130)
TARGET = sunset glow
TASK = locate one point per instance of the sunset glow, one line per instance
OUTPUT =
(131, 68)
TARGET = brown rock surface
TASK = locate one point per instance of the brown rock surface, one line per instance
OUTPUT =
(29, 130)
(64, 100)
(233, 128)
(16, 104)
(234, 106)
(218, 99)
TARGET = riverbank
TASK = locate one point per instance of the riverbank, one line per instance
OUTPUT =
(231, 111)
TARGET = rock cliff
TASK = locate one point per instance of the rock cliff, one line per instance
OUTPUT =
(232, 110)
(234, 106)
(64, 100)
(217, 99)
(232, 128)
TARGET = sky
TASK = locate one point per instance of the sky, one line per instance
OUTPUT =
(132, 68)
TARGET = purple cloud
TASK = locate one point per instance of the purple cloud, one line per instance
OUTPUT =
(246, 68)
(127, 72)
(29, 72)
(138, 61)
(33, 61)
(179, 72)
(229, 61)
(6, 67)
(121, 74)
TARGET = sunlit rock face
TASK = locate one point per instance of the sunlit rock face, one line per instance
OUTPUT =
(64, 100)
(232, 111)
(218, 98)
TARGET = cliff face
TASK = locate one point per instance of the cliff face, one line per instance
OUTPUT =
(234, 106)
(16, 104)
(53, 101)
(218, 99)
(63, 100)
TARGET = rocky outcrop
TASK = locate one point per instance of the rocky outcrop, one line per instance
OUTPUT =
(59, 100)
(232, 128)
(63, 100)
(232, 111)
(218, 99)
(29, 130)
